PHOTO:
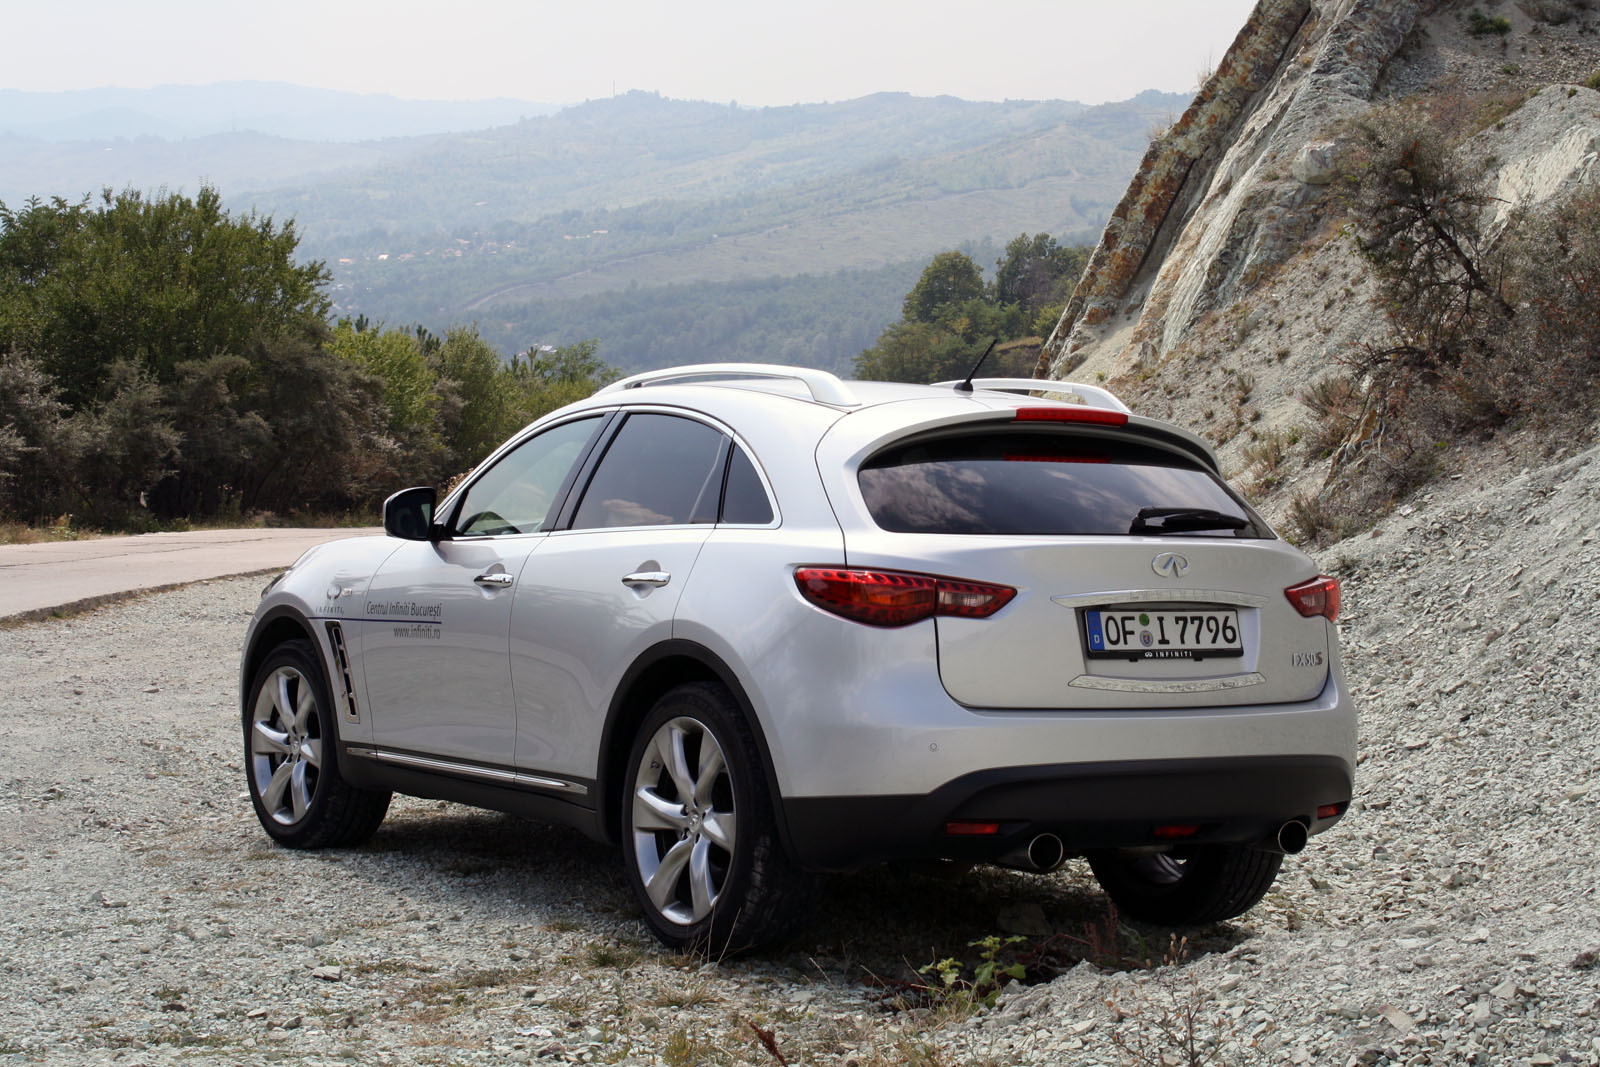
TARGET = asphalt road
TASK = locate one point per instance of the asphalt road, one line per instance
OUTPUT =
(59, 574)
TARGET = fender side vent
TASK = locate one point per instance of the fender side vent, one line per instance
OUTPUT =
(336, 638)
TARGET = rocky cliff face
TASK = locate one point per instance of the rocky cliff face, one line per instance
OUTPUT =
(1222, 284)
(1225, 193)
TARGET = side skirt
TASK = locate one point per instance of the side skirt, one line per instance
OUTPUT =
(542, 799)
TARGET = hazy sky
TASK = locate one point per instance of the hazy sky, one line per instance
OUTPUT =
(753, 51)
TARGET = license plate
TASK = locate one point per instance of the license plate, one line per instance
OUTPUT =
(1144, 634)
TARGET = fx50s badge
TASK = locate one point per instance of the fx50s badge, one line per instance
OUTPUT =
(1306, 659)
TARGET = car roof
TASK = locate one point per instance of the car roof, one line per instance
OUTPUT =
(725, 389)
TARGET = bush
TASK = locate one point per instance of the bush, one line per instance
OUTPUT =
(1481, 25)
(1485, 330)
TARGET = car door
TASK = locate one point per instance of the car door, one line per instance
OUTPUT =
(437, 613)
(604, 589)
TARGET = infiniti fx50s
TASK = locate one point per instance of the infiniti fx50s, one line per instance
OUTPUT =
(754, 623)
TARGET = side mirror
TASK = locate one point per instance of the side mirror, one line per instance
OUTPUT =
(408, 514)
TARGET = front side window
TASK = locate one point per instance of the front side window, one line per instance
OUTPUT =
(659, 470)
(1048, 484)
(518, 494)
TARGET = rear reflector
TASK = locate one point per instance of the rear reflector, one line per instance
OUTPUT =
(1328, 811)
(1177, 830)
(970, 828)
(1073, 413)
(898, 598)
(1319, 596)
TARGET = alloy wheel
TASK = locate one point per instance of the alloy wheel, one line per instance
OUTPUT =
(683, 820)
(285, 745)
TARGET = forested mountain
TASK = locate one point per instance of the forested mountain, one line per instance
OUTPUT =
(509, 228)
(562, 227)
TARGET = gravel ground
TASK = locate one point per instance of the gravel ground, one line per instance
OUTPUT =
(1451, 918)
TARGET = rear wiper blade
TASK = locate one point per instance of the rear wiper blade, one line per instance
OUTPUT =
(1175, 520)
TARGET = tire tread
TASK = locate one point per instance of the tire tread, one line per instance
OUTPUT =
(777, 893)
(1220, 882)
(348, 815)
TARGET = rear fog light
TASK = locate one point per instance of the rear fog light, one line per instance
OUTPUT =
(1177, 830)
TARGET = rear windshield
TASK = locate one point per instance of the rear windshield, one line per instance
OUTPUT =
(1049, 483)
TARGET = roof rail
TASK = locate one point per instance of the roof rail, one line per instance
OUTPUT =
(1079, 393)
(825, 388)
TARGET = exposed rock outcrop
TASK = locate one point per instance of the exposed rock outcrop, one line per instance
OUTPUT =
(1232, 188)
(1225, 289)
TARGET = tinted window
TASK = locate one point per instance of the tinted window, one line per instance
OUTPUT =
(745, 500)
(517, 494)
(1037, 483)
(659, 470)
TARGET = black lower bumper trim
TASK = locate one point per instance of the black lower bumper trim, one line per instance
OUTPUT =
(1241, 800)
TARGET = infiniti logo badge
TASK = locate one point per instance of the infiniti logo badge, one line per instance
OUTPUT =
(1170, 565)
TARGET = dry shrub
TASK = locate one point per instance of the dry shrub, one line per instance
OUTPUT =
(1336, 401)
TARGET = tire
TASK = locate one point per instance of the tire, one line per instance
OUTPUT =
(1204, 885)
(700, 840)
(291, 757)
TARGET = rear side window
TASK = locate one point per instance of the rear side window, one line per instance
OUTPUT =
(659, 470)
(745, 502)
(1043, 484)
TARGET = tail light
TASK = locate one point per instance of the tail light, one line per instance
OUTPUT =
(898, 598)
(1319, 596)
(1073, 413)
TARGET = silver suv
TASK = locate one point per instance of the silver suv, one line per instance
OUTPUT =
(756, 623)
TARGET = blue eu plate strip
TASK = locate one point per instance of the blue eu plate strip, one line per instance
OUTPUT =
(1097, 637)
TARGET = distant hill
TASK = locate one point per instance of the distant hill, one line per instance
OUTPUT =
(273, 108)
(525, 227)
(504, 226)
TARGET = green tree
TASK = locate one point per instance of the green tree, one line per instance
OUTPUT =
(154, 282)
(547, 380)
(395, 358)
(951, 278)
(1035, 272)
(39, 448)
(477, 409)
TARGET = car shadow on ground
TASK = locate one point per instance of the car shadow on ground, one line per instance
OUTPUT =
(880, 926)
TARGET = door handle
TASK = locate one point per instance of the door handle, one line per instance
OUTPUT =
(494, 578)
(646, 578)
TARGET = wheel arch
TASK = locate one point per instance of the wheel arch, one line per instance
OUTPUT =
(277, 627)
(662, 667)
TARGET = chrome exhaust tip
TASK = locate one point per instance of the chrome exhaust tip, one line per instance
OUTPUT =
(1292, 837)
(1043, 853)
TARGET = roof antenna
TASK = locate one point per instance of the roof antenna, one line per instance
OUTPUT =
(966, 386)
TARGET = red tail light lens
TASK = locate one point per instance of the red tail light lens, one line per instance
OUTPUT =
(1319, 596)
(897, 598)
(1073, 413)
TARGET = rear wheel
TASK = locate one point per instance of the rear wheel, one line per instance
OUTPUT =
(1201, 885)
(699, 835)
(292, 757)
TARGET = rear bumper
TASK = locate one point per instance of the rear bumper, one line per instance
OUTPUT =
(1235, 800)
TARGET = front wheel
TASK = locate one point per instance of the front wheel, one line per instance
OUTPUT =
(699, 835)
(1204, 884)
(292, 757)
